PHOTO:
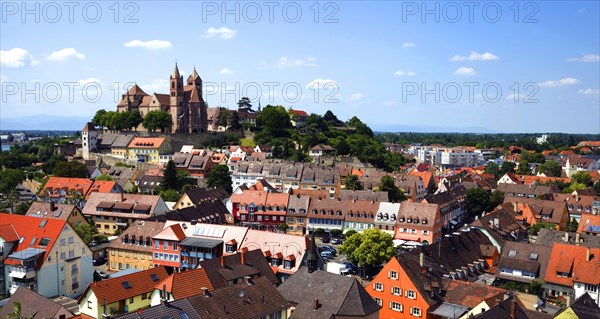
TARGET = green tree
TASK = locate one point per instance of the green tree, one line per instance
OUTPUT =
(244, 103)
(70, 169)
(369, 248)
(583, 178)
(10, 178)
(284, 227)
(103, 177)
(524, 168)
(98, 118)
(17, 311)
(132, 119)
(507, 167)
(157, 120)
(349, 233)
(169, 195)
(597, 187)
(353, 183)
(219, 177)
(492, 168)
(86, 232)
(22, 208)
(274, 122)
(478, 201)
(496, 199)
(572, 225)
(387, 184)
(170, 180)
(550, 168)
(574, 187)
(535, 229)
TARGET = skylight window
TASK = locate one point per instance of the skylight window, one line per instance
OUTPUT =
(43, 223)
(154, 277)
(126, 285)
(44, 241)
(512, 253)
(33, 241)
(533, 256)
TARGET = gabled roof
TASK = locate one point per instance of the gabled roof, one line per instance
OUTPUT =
(146, 142)
(179, 309)
(34, 306)
(203, 194)
(525, 257)
(572, 260)
(336, 295)
(227, 268)
(186, 284)
(41, 209)
(88, 127)
(136, 90)
(54, 184)
(173, 232)
(469, 294)
(505, 309)
(121, 288)
(29, 228)
(584, 307)
(144, 230)
(8, 233)
(287, 245)
(256, 299)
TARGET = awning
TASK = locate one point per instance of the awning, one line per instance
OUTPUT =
(17, 274)
(448, 310)
(454, 222)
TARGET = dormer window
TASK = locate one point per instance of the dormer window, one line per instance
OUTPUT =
(314, 211)
(302, 211)
(416, 220)
(339, 213)
(424, 221)
(401, 219)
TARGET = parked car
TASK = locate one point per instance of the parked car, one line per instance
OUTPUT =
(326, 239)
(337, 241)
(326, 254)
(330, 249)
(102, 275)
(99, 261)
(350, 266)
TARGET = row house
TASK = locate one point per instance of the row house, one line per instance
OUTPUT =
(167, 247)
(452, 205)
(133, 248)
(262, 210)
(44, 255)
(197, 163)
(573, 271)
(110, 211)
(321, 178)
(199, 196)
(412, 186)
(387, 217)
(361, 214)
(67, 212)
(418, 222)
(327, 214)
(296, 214)
(578, 205)
(526, 191)
(523, 262)
(534, 211)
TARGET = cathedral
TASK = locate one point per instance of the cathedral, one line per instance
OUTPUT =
(184, 103)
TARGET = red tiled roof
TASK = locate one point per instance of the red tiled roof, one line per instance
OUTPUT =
(299, 112)
(113, 290)
(571, 259)
(146, 142)
(186, 284)
(8, 232)
(28, 228)
(173, 232)
(82, 185)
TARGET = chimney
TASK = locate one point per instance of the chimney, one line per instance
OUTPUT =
(513, 307)
(122, 200)
(566, 237)
(243, 257)
(52, 206)
(205, 292)
(421, 259)
(577, 239)
(315, 304)
(576, 197)
(223, 261)
(164, 297)
(515, 207)
(587, 254)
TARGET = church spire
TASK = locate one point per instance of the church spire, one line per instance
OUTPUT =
(194, 73)
(176, 71)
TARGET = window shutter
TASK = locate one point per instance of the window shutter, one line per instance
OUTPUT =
(389, 274)
(401, 308)
(374, 287)
(391, 307)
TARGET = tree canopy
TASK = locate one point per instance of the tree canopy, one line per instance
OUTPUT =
(387, 184)
(219, 177)
(157, 120)
(70, 169)
(353, 183)
(369, 248)
(550, 168)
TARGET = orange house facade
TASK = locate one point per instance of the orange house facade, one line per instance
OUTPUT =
(397, 294)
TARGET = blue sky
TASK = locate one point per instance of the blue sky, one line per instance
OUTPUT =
(529, 67)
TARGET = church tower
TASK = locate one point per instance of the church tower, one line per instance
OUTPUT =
(89, 140)
(176, 99)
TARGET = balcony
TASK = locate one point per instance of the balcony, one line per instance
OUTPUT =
(22, 272)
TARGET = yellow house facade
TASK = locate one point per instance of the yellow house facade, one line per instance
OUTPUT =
(147, 149)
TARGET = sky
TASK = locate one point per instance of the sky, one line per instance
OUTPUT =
(498, 66)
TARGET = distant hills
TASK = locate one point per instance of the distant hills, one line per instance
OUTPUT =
(429, 129)
(44, 122)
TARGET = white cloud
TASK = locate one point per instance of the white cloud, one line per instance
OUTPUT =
(322, 84)
(407, 45)
(559, 83)
(150, 45)
(157, 85)
(589, 92)
(226, 71)
(585, 58)
(222, 33)
(13, 58)
(285, 62)
(356, 96)
(458, 58)
(65, 54)
(465, 71)
(475, 56)
(34, 62)
(87, 81)
(516, 97)
(403, 73)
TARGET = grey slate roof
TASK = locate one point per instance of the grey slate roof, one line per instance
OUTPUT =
(180, 309)
(337, 295)
(34, 305)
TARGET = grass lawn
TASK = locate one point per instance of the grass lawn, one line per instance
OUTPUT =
(247, 142)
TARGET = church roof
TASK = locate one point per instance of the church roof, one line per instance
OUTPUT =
(176, 71)
(136, 90)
